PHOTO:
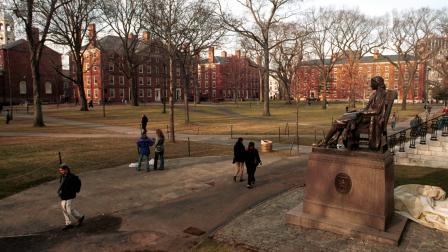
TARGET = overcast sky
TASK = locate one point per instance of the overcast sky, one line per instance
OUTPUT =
(369, 7)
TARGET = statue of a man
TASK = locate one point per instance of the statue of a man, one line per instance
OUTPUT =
(371, 116)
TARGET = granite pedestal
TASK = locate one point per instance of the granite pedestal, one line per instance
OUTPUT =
(350, 193)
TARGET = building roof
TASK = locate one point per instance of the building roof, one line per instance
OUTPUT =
(113, 43)
(14, 44)
(365, 59)
(218, 60)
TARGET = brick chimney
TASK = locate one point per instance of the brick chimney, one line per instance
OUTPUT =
(35, 35)
(131, 36)
(238, 53)
(146, 36)
(376, 54)
(211, 55)
(91, 33)
(259, 60)
(224, 54)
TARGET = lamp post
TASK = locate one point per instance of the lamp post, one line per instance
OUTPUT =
(428, 69)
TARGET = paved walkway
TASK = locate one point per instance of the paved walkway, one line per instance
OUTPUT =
(263, 228)
(127, 210)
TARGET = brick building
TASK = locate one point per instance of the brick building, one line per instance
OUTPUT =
(17, 81)
(309, 84)
(228, 77)
(103, 70)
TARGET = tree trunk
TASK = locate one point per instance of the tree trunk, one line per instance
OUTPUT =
(38, 115)
(197, 98)
(405, 96)
(324, 95)
(266, 111)
(133, 85)
(171, 97)
(185, 77)
(80, 84)
(260, 94)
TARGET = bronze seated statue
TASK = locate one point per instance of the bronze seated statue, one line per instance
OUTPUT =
(371, 121)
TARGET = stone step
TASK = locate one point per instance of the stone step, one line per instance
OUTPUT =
(419, 162)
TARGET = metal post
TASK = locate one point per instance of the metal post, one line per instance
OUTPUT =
(402, 140)
(434, 130)
(168, 131)
(231, 131)
(412, 139)
(315, 135)
(392, 143)
(423, 131)
(189, 153)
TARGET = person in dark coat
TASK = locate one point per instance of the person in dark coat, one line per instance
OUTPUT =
(91, 104)
(8, 116)
(144, 123)
(143, 145)
(159, 149)
(238, 159)
(68, 188)
(252, 159)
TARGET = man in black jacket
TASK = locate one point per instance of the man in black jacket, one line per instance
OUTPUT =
(144, 123)
(69, 186)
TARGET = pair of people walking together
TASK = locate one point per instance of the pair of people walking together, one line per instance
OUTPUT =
(144, 144)
(249, 157)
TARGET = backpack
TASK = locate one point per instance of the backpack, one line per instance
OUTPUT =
(76, 183)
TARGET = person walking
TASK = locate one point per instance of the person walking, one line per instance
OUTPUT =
(91, 104)
(393, 121)
(70, 184)
(238, 159)
(144, 123)
(8, 116)
(159, 150)
(143, 145)
(252, 159)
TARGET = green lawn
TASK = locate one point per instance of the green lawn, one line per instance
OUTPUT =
(27, 162)
(421, 175)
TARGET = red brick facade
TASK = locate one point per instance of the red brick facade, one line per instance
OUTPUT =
(228, 77)
(17, 80)
(309, 84)
(103, 70)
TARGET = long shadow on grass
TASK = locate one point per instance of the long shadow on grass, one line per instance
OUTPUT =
(46, 240)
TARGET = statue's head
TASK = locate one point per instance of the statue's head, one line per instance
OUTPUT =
(377, 82)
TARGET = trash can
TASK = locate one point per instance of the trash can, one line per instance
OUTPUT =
(266, 146)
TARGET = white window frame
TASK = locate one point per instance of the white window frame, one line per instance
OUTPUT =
(22, 87)
(48, 88)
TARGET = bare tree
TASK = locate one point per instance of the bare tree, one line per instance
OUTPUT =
(69, 29)
(255, 51)
(322, 45)
(166, 19)
(355, 36)
(410, 35)
(264, 14)
(124, 18)
(202, 29)
(288, 55)
(35, 16)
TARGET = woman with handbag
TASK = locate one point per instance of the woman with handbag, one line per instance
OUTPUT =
(159, 150)
(252, 159)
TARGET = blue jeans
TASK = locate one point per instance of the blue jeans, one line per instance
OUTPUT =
(162, 160)
(140, 159)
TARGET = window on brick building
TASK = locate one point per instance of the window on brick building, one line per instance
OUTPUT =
(48, 88)
(111, 56)
(157, 70)
(213, 84)
(213, 93)
(140, 81)
(148, 81)
(213, 75)
(88, 93)
(206, 76)
(149, 93)
(112, 92)
(396, 74)
(140, 69)
(94, 68)
(206, 83)
(148, 68)
(386, 68)
(177, 71)
(111, 80)
(386, 76)
(87, 67)
(22, 87)
(122, 92)
(95, 93)
(141, 92)
(95, 81)
(121, 80)
(111, 67)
